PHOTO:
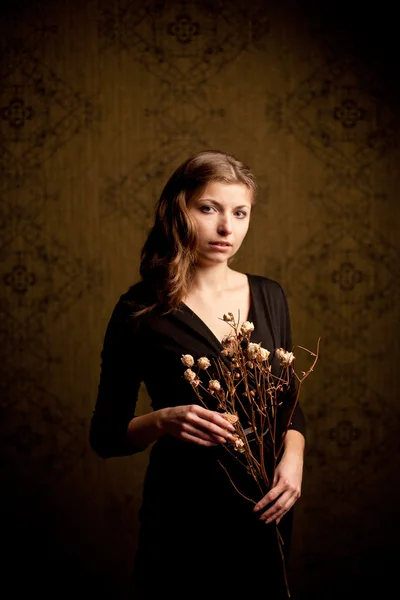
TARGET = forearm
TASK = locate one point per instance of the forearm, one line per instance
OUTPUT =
(147, 428)
(294, 443)
(111, 437)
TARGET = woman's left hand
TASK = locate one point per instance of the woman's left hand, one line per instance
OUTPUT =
(286, 488)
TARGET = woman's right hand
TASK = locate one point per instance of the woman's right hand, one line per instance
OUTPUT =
(193, 423)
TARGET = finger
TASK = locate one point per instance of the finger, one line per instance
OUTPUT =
(274, 511)
(281, 507)
(210, 427)
(214, 417)
(278, 515)
(196, 432)
(272, 495)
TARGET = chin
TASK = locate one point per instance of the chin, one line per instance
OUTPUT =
(215, 259)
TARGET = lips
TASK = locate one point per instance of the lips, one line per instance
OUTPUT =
(221, 244)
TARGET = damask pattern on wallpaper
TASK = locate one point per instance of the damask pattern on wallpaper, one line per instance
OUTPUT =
(346, 274)
(41, 279)
(183, 45)
(342, 273)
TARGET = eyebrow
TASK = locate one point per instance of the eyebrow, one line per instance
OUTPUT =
(220, 205)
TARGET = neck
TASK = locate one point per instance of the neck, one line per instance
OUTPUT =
(213, 278)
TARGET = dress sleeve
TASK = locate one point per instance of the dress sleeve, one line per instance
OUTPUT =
(120, 379)
(297, 421)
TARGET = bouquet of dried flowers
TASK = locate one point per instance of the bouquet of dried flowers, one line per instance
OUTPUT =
(256, 398)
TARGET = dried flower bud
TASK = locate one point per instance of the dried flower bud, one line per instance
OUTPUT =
(214, 385)
(253, 350)
(250, 364)
(228, 339)
(229, 318)
(237, 375)
(190, 375)
(264, 354)
(187, 360)
(239, 445)
(203, 363)
(229, 343)
(247, 327)
(230, 417)
(286, 358)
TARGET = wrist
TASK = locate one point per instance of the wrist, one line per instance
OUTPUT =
(161, 419)
(294, 453)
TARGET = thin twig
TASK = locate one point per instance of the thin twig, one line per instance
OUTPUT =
(263, 393)
(238, 491)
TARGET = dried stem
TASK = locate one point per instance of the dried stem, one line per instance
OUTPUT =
(238, 491)
(251, 390)
(280, 544)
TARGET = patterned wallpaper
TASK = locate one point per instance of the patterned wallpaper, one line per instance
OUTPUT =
(99, 102)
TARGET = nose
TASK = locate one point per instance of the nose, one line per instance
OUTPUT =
(224, 225)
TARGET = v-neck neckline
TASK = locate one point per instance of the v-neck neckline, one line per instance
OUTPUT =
(204, 324)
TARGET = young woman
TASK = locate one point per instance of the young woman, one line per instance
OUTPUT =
(198, 535)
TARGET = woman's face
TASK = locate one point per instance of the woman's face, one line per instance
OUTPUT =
(222, 215)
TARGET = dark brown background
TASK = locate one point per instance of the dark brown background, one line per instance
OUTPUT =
(99, 102)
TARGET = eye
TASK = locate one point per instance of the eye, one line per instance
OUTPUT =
(206, 209)
(241, 214)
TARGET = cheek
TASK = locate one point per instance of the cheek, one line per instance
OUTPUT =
(202, 228)
(242, 233)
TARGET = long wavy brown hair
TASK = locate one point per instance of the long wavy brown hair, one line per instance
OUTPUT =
(168, 257)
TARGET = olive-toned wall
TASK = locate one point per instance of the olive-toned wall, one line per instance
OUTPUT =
(99, 102)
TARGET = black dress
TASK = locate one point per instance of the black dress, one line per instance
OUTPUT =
(197, 534)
